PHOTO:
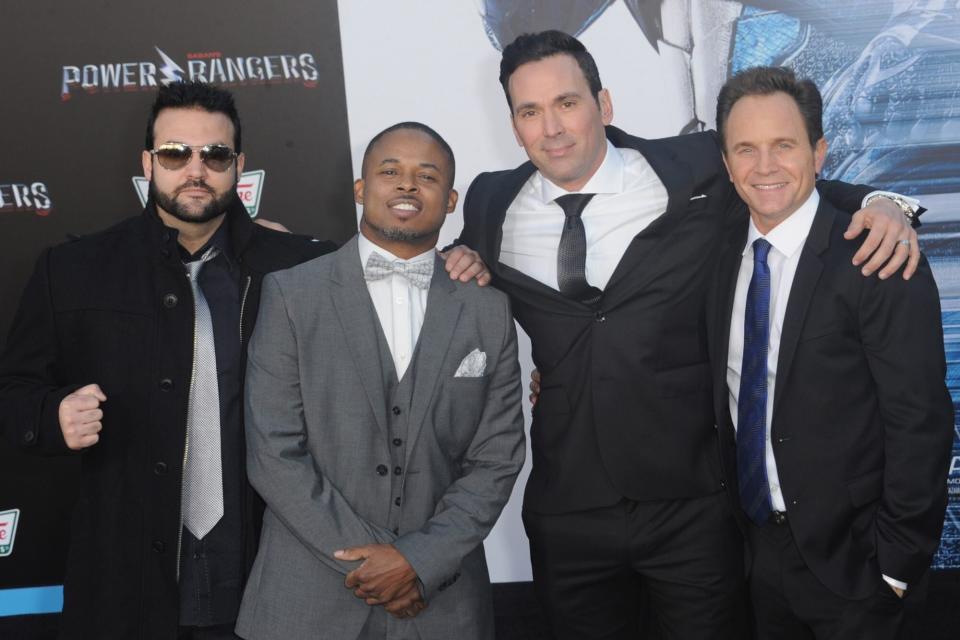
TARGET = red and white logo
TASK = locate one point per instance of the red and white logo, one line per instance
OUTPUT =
(8, 530)
(249, 188)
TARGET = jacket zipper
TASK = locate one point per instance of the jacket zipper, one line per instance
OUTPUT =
(243, 304)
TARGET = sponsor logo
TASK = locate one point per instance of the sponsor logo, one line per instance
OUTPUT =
(8, 530)
(31, 198)
(249, 189)
(205, 66)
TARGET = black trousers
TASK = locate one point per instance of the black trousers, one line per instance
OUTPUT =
(790, 603)
(592, 569)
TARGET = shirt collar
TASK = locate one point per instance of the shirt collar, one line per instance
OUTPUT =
(608, 178)
(788, 236)
(367, 247)
(220, 239)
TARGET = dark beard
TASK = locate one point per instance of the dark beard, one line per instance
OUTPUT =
(168, 203)
(398, 234)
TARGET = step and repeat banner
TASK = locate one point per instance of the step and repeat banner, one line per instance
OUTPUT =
(72, 124)
(75, 110)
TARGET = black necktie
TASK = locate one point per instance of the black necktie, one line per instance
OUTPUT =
(572, 252)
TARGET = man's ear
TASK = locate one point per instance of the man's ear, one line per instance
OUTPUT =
(358, 191)
(146, 161)
(452, 201)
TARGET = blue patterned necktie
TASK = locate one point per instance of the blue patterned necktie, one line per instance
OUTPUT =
(417, 273)
(752, 401)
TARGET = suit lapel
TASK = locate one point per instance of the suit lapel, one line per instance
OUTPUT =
(728, 269)
(359, 326)
(439, 322)
(497, 211)
(805, 281)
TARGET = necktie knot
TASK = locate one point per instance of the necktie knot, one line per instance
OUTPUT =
(573, 204)
(417, 273)
(761, 249)
(193, 268)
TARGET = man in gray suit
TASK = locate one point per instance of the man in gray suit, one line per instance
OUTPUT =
(385, 431)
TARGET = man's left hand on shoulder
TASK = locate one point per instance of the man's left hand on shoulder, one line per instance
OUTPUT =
(890, 243)
(464, 264)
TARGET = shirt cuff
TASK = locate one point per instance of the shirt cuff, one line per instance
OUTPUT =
(895, 583)
(913, 202)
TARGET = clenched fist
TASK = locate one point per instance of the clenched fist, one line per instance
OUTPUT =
(80, 416)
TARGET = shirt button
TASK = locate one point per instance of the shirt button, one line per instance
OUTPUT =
(396, 411)
(399, 300)
(381, 469)
(396, 501)
(166, 384)
(397, 471)
(170, 301)
(397, 442)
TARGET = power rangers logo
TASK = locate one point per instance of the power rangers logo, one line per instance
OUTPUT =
(32, 198)
(208, 66)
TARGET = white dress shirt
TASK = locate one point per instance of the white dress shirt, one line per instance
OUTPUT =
(629, 197)
(400, 305)
(787, 240)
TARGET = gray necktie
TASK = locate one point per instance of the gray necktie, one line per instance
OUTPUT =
(202, 493)
(572, 252)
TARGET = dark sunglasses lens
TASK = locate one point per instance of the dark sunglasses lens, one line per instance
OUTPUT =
(173, 157)
(217, 156)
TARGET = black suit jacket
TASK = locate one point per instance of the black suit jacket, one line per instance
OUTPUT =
(625, 404)
(862, 420)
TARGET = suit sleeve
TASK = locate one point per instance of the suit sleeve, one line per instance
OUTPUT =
(279, 464)
(30, 389)
(471, 505)
(903, 339)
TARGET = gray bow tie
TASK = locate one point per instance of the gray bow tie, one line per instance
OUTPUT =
(417, 273)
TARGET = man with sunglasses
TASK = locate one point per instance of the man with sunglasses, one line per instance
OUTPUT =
(129, 350)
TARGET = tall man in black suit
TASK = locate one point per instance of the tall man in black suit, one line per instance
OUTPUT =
(829, 386)
(626, 491)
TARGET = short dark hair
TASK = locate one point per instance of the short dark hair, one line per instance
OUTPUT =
(194, 95)
(415, 126)
(763, 81)
(532, 47)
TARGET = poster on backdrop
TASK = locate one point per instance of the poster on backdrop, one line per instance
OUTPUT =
(889, 71)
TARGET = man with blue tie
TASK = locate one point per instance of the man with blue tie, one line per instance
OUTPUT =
(829, 387)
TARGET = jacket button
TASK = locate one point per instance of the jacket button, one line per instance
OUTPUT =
(29, 436)
(166, 384)
(397, 442)
(723, 485)
(381, 469)
(599, 317)
(158, 546)
(397, 471)
(160, 468)
(396, 501)
(396, 411)
(170, 301)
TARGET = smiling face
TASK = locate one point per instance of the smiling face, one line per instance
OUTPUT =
(557, 121)
(405, 192)
(769, 157)
(193, 194)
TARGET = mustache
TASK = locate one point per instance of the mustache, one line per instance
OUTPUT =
(196, 184)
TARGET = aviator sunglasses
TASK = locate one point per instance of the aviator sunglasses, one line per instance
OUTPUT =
(175, 155)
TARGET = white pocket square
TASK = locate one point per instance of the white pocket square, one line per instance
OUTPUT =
(699, 197)
(473, 365)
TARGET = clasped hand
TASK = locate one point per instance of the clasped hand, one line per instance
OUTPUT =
(384, 578)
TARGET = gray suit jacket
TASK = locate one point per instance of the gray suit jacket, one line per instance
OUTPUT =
(317, 432)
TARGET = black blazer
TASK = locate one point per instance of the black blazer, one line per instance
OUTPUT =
(114, 308)
(625, 405)
(862, 420)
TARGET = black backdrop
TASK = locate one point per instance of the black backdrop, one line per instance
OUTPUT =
(68, 154)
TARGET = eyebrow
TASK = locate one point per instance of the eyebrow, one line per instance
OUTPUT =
(424, 165)
(560, 98)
